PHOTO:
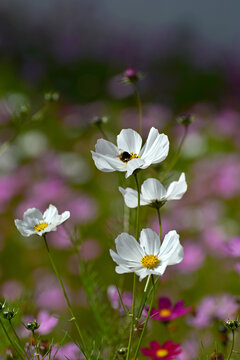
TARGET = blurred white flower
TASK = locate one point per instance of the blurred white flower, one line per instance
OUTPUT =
(34, 222)
(153, 193)
(148, 256)
(32, 143)
(129, 154)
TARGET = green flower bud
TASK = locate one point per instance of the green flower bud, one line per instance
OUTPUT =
(186, 119)
(32, 325)
(51, 96)
(9, 314)
(232, 324)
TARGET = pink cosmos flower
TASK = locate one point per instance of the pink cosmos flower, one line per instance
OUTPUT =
(167, 312)
(167, 351)
(232, 248)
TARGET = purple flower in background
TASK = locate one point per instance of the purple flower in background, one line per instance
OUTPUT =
(220, 307)
(11, 290)
(232, 248)
(47, 322)
(193, 257)
(68, 351)
(83, 208)
(48, 294)
(167, 312)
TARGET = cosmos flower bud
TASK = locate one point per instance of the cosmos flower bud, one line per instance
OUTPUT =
(232, 324)
(32, 325)
(51, 96)
(9, 315)
(122, 351)
(131, 76)
(186, 119)
(99, 120)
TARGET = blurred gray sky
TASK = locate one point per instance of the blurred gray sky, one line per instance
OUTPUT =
(216, 22)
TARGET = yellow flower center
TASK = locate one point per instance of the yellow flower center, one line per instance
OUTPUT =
(40, 227)
(125, 156)
(165, 312)
(161, 353)
(150, 261)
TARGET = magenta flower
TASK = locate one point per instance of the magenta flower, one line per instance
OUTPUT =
(167, 351)
(232, 248)
(167, 312)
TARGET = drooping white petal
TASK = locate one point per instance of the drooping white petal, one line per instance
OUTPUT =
(132, 165)
(131, 197)
(152, 189)
(105, 147)
(128, 248)
(160, 269)
(120, 269)
(150, 242)
(130, 141)
(24, 228)
(156, 147)
(107, 163)
(142, 273)
(171, 250)
(130, 264)
(177, 189)
(32, 216)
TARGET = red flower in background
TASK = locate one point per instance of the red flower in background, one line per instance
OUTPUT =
(167, 312)
(166, 351)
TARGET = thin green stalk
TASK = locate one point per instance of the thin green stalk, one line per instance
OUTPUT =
(231, 350)
(18, 339)
(134, 275)
(160, 222)
(139, 107)
(10, 340)
(176, 157)
(64, 293)
(146, 321)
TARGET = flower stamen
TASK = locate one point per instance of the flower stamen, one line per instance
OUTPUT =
(150, 261)
(165, 312)
(41, 227)
(161, 353)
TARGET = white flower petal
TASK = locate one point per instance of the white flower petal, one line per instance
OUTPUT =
(130, 141)
(50, 214)
(150, 242)
(24, 228)
(160, 269)
(130, 197)
(122, 270)
(128, 248)
(177, 189)
(142, 273)
(130, 264)
(171, 250)
(132, 165)
(32, 216)
(105, 147)
(156, 148)
(152, 190)
(107, 164)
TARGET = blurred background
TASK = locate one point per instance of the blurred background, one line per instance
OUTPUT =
(61, 64)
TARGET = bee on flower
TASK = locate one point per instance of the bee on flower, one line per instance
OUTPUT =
(129, 155)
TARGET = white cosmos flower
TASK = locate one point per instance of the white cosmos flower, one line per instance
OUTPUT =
(129, 154)
(148, 256)
(34, 222)
(154, 193)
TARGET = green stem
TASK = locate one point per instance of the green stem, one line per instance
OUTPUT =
(231, 350)
(176, 157)
(18, 339)
(64, 293)
(134, 275)
(160, 222)
(146, 321)
(10, 340)
(139, 107)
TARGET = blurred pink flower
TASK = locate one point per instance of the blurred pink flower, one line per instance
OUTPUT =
(232, 247)
(82, 208)
(48, 294)
(222, 307)
(193, 257)
(68, 351)
(11, 290)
